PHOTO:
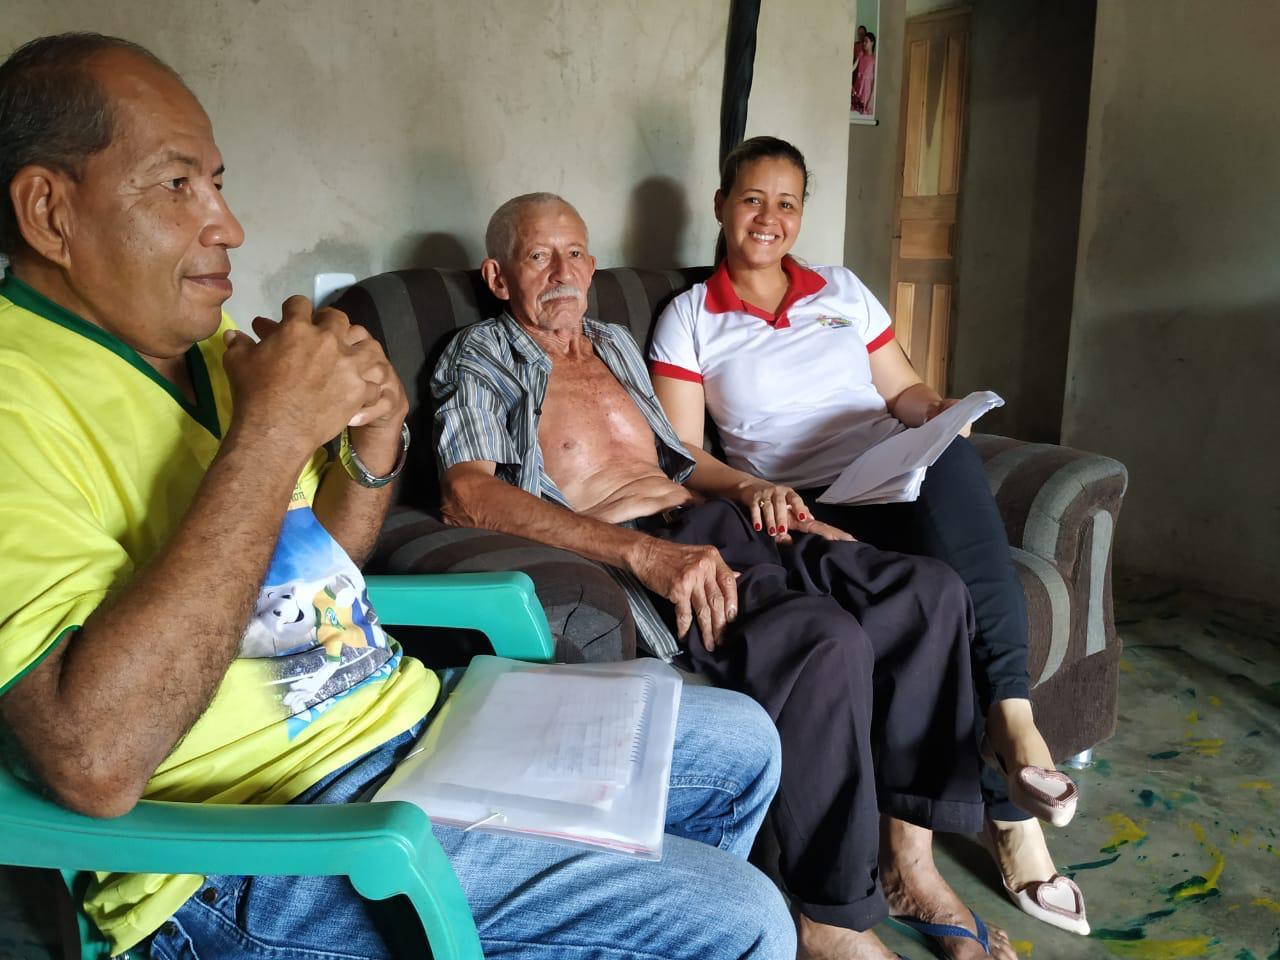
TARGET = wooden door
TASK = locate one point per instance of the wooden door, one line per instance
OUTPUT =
(930, 146)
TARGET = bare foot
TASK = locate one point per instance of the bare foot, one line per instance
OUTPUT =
(1013, 733)
(913, 887)
(1019, 850)
(821, 941)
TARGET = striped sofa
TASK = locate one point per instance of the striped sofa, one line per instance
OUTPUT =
(1059, 506)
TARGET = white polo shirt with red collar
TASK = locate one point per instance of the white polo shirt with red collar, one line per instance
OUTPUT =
(790, 392)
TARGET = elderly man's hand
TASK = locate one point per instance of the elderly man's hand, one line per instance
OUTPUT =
(310, 375)
(696, 580)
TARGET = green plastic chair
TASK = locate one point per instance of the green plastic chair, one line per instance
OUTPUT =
(385, 848)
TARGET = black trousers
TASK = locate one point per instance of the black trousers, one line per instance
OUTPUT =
(861, 657)
(955, 520)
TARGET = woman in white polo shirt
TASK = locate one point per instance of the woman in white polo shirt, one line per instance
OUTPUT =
(799, 370)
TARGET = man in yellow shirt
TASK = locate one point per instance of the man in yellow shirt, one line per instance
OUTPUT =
(183, 616)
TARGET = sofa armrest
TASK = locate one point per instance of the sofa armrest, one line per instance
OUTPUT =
(1055, 502)
(586, 609)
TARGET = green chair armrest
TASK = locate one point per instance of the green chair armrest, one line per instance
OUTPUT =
(503, 606)
(385, 848)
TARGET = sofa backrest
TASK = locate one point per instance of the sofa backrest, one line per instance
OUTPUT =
(414, 313)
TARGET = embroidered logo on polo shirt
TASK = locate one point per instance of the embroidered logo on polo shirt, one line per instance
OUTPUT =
(835, 322)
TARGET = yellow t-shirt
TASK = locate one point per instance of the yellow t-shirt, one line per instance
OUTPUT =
(100, 458)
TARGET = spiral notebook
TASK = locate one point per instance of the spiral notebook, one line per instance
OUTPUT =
(575, 753)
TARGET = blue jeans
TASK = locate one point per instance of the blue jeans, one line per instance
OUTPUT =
(535, 899)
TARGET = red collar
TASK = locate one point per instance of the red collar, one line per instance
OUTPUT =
(801, 282)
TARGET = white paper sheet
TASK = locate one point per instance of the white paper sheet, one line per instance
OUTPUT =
(892, 470)
(578, 754)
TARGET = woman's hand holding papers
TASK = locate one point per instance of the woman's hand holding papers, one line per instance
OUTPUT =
(938, 406)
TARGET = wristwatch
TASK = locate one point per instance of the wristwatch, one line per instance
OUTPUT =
(356, 469)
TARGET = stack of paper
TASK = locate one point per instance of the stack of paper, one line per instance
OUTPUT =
(579, 754)
(892, 470)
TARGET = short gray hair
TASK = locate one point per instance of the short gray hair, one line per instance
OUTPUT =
(500, 235)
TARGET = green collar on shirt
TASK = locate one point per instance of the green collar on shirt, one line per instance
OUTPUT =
(204, 411)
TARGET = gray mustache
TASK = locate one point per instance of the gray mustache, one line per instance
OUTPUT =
(563, 290)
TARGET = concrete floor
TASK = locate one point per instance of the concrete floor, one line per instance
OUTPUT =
(1175, 845)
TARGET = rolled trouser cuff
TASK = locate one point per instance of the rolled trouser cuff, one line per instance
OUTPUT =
(1011, 688)
(941, 816)
(1006, 811)
(859, 915)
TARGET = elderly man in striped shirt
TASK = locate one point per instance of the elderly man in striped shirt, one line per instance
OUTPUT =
(548, 429)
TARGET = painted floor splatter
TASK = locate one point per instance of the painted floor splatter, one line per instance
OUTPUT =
(1177, 843)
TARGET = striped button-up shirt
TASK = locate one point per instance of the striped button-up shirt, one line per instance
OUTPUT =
(489, 386)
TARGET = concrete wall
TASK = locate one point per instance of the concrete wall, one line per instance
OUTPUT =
(363, 137)
(1175, 336)
(1020, 208)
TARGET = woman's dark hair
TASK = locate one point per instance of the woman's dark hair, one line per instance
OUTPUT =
(53, 112)
(872, 37)
(748, 152)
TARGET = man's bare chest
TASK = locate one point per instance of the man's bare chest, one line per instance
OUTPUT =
(586, 408)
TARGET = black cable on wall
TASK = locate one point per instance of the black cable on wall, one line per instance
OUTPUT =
(739, 63)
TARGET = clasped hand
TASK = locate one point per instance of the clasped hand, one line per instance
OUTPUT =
(310, 375)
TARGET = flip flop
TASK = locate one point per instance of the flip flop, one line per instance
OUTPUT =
(936, 931)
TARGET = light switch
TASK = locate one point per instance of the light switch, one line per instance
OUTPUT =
(329, 285)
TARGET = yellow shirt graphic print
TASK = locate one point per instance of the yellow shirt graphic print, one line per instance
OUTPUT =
(335, 621)
(314, 632)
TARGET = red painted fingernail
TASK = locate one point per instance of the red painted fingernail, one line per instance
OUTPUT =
(804, 516)
(772, 531)
(757, 526)
(782, 529)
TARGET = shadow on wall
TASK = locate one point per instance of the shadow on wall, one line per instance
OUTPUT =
(1020, 210)
(441, 195)
(1055, 217)
(296, 273)
(657, 215)
(436, 250)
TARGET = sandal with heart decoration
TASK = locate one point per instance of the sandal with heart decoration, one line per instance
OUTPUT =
(1056, 901)
(1039, 791)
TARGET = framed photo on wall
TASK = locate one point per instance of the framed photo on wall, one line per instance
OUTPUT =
(862, 86)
